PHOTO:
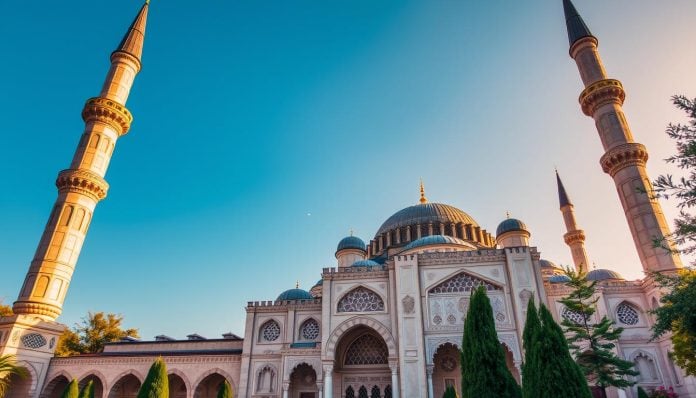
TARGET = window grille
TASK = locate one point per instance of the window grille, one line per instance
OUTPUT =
(367, 350)
(361, 300)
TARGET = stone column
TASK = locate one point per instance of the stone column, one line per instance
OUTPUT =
(328, 381)
(286, 386)
(320, 389)
(395, 380)
(429, 371)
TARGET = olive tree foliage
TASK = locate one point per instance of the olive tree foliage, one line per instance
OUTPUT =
(89, 336)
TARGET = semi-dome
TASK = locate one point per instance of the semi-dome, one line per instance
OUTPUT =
(425, 213)
(319, 282)
(559, 279)
(366, 263)
(602, 274)
(295, 294)
(350, 242)
(436, 240)
(510, 225)
(548, 264)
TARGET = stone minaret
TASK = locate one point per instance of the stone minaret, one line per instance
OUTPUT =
(624, 159)
(32, 332)
(575, 237)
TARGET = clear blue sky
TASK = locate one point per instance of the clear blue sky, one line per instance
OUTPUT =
(250, 116)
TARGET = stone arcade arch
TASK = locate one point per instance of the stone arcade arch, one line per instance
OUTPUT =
(209, 382)
(303, 382)
(97, 380)
(126, 385)
(22, 388)
(446, 369)
(178, 384)
(362, 363)
(55, 387)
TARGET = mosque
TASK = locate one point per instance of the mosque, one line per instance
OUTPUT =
(387, 320)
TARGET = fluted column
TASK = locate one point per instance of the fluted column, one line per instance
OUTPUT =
(82, 186)
(624, 160)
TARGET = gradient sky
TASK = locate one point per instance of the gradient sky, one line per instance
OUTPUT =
(265, 131)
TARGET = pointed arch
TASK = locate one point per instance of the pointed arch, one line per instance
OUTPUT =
(348, 325)
(310, 330)
(213, 371)
(266, 378)
(270, 331)
(94, 374)
(183, 377)
(462, 282)
(361, 298)
(53, 385)
(645, 363)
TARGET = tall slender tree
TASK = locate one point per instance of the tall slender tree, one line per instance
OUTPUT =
(484, 371)
(593, 343)
(225, 390)
(72, 390)
(531, 368)
(156, 384)
(450, 392)
(87, 390)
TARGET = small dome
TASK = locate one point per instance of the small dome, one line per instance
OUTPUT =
(351, 242)
(559, 279)
(548, 264)
(436, 240)
(510, 225)
(294, 294)
(366, 263)
(319, 282)
(602, 274)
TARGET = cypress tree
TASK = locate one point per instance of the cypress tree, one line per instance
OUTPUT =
(484, 371)
(560, 375)
(72, 390)
(225, 390)
(156, 384)
(450, 392)
(642, 393)
(531, 377)
(88, 390)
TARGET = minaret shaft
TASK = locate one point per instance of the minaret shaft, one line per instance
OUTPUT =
(82, 186)
(624, 160)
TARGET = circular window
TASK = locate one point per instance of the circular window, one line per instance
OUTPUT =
(627, 314)
(310, 330)
(270, 331)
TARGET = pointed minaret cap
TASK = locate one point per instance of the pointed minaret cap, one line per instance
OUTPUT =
(132, 42)
(562, 194)
(574, 23)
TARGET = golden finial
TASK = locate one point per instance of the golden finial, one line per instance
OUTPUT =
(297, 284)
(507, 214)
(423, 199)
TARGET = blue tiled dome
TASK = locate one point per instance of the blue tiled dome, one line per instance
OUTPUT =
(351, 242)
(603, 275)
(365, 263)
(436, 240)
(425, 213)
(559, 279)
(295, 294)
(509, 225)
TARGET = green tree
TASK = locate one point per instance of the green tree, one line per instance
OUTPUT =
(484, 371)
(642, 393)
(90, 336)
(592, 343)
(156, 384)
(87, 390)
(225, 390)
(531, 368)
(72, 390)
(450, 392)
(8, 369)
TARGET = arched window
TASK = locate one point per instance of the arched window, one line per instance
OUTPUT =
(626, 314)
(362, 392)
(375, 393)
(462, 283)
(265, 380)
(270, 331)
(572, 316)
(350, 393)
(361, 300)
(309, 330)
(387, 391)
(645, 365)
(367, 349)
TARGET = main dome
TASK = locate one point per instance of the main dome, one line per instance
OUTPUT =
(424, 213)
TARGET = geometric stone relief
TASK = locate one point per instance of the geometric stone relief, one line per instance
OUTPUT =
(626, 314)
(309, 330)
(449, 311)
(361, 300)
(461, 283)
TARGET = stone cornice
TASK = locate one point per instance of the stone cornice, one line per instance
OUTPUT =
(83, 182)
(108, 111)
(600, 93)
(624, 155)
(147, 359)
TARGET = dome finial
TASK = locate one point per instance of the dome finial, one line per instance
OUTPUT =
(297, 284)
(423, 199)
(507, 214)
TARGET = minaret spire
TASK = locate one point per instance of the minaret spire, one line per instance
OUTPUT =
(624, 159)
(574, 237)
(423, 199)
(132, 42)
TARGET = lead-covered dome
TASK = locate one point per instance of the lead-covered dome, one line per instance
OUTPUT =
(425, 213)
(602, 274)
(294, 294)
(510, 225)
(350, 242)
(436, 240)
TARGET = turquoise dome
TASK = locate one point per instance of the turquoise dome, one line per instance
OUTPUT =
(436, 240)
(365, 263)
(351, 242)
(603, 275)
(510, 225)
(294, 294)
(559, 279)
